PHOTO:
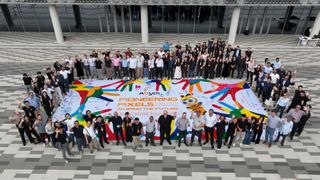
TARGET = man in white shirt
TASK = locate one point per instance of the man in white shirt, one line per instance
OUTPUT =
(285, 129)
(65, 73)
(210, 121)
(139, 72)
(92, 65)
(282, 104)
(90, 137)
(277, 64)
(69, 122)
(85, 61)
(151, 67)
(132, 67)
(274, 77)
(159, 67)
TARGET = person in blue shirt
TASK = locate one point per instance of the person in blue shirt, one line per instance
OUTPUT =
(166, 46)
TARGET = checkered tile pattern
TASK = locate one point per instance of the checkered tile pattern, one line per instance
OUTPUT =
(298, 159)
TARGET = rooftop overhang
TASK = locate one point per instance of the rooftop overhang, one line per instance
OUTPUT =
(172, 2)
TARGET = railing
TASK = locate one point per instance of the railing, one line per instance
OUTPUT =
(174, 2)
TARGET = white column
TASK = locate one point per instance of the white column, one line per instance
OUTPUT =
(234, 25)
(144, 24)
(56, 23)
(316, 26)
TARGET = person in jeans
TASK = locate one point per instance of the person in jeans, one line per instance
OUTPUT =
(90, 137)
(285, 129)
(249, 131)
(210, 121)
(136, 132)
(150, 131)
(282, 104)
(61, 137)
(198, 123)
(124, 68)
(78, 134)
(273, 122)
(231, 132)
(182, 123)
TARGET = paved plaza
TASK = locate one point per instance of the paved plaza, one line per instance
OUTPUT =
(31, 52)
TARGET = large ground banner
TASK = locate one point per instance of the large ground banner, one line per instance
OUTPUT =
(145, 98)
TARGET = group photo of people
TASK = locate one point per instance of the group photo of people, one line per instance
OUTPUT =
(286, 102)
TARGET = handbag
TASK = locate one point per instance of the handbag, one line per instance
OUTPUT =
(88, 136)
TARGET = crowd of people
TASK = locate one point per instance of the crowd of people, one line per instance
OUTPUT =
(209, 60)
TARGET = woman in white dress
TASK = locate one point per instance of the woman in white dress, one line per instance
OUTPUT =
(177, 71)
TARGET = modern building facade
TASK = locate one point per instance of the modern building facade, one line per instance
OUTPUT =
(162, 16)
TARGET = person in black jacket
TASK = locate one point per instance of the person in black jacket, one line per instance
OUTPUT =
(231, 132)
(100, 127)
(241, 66)
(28, 127)
(117, 127)
(78, 134)
(165, 126)
(257, 130)
(220, 129)
(61, 136)
(126, 124)
(303, 121)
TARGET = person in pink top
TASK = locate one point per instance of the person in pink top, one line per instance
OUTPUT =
(116, 60)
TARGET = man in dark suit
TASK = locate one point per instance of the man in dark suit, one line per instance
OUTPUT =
(237, 52)
(284, 83)
(117, 127)
(165, 126)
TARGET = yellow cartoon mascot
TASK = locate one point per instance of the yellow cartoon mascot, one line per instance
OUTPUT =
(192, 103)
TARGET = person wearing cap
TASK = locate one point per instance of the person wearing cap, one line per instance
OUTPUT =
(198, 123)
(210, 121)
(136, 132)
(273, 122)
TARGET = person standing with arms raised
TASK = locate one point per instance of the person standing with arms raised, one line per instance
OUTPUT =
(165, 126)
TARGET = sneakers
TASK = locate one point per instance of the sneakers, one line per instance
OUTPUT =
(205, 143)
(140, 146)
(66, 161)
